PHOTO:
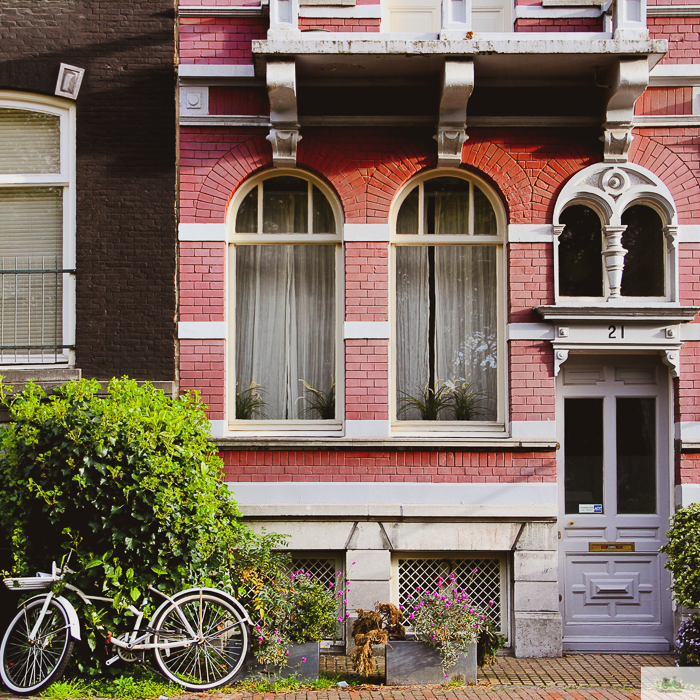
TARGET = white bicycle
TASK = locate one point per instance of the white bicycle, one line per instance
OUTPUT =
(199, 636)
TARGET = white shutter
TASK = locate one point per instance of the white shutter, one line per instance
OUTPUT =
(29, 142)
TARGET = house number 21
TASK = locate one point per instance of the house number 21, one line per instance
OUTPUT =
(615, 332)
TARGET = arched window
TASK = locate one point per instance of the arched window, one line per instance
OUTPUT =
(447, 256)
(615, 229)
(580, 246)
(285, 257)
(37, 229)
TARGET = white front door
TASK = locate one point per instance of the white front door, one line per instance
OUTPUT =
(614, 492)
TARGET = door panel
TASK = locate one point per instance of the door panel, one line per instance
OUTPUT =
(614, 481)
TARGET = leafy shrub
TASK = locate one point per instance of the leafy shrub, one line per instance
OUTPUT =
(296, 610)
(688, 642)
(130, 483)
(683, 550)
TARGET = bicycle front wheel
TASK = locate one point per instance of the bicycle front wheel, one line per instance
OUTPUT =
(214, 654)
(30, 665)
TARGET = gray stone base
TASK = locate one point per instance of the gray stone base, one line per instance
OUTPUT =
(416, 663)
(537, 634)
(307, 670)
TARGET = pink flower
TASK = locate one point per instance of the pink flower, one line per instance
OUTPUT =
(303, 659)
(286, 653)
(491, 603)
(475, 570)
(338, 573)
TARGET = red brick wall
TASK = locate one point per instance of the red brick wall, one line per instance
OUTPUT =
(530, 279)
(219, 40)
(366, 281)
(531, 380)
(367, 379)
(569, 24)
(203, 368)
(202, 268)
(682, 35)
(661, 100)
(688, 468)
(238, 100)
(389, 465)
(339, 24)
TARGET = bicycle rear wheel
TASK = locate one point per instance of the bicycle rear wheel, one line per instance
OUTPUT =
(217, 651)
(26, 667)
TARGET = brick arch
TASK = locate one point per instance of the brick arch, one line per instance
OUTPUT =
(648, 152)
(228, 172)
(505, 172)
(554, 176)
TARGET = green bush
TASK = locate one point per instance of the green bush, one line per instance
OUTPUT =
(683, 550)
(128, 481)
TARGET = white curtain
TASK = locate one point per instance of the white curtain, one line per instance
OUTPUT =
(285, 323)
(465, 320)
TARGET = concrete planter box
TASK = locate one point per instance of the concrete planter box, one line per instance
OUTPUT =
(308, 670)
(415, 663)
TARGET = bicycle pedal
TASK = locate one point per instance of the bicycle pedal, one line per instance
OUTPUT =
(114, 659)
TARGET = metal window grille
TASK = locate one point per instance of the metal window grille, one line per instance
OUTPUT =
(324, 571)
(31, 311)
(482, 586)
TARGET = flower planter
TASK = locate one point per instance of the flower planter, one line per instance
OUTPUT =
(307, 670)
(415, 663)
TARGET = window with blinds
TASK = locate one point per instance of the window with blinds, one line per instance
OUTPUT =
(32, 191)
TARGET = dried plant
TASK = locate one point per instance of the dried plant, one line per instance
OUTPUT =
(320, 404)
(376, 626)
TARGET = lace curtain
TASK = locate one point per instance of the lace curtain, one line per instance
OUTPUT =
(285, 323)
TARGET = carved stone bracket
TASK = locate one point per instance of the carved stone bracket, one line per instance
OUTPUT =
(560, 357)
(457, 87)
(614, 256)
(629, 81)
(672, 359)
(284, 134)
(671, 236)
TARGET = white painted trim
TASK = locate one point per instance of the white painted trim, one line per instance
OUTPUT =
(696, 100)
(530, 331)
(225, 120)
(354, 12)
(367, 232)
(687, 494)
(690, 331)
(534, 429)
(539, 12)
(687, 430)
(674, 75)
(366, 329)
(367, 428)
(661, 121)
(202, 232)
(209, 11)
(343, 492)
(673, 10)
(530, 233)
(190, 70)
(218, 428)
(688, 233)
(200, 330)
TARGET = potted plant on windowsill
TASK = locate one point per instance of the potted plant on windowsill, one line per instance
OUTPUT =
(291, 618)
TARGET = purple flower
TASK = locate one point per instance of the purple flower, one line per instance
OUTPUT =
(491, 603)
(338, 573)
(475, 570)
(303, 659)
(286, 653)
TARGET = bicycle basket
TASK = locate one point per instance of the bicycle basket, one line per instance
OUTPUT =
(29, 583)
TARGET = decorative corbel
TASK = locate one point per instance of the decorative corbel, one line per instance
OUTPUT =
(672, 359)
(457, 87)
(560, 357)
(630, 80)
(284, 134)
(614, 255)
(671, 236)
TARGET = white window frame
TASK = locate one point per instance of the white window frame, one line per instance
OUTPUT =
(472, 428)
(65, 178)
(597, 188)
(296, 428)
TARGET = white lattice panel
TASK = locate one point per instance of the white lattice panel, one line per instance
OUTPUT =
(481, 585)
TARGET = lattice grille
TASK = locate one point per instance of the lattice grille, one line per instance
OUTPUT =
(482, 586)
(324, 571)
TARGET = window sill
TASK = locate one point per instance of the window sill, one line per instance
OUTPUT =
(665, 312)
(48, 378)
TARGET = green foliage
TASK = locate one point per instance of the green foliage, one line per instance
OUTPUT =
(250, 403)
(139, 683)
(488, 644)
(129, 481)
(683, 551)
(320, 404)
(430, 401)
(296, 610)
(466, 402)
